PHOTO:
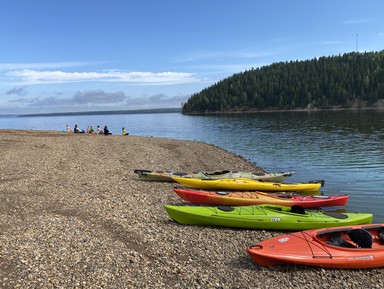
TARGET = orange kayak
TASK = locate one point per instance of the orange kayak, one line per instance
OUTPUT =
(360, 246)
(257, 198)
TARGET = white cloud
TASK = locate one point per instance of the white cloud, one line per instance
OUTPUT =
(28, 76)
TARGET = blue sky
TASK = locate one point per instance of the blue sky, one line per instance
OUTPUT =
(81, 55)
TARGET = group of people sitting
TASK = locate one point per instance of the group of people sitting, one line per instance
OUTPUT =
(91, 130)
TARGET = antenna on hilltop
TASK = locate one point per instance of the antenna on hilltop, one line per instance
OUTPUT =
(357, 42)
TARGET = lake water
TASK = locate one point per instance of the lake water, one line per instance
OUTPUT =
(345, 148)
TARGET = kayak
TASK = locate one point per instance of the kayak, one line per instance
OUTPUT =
(343, 247)
(167, 176)
(270, 217)
(257, 198)
(248, 185)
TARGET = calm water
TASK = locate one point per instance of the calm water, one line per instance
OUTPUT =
(345, 148)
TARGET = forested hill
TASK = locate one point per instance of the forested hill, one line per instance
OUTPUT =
(345, 81)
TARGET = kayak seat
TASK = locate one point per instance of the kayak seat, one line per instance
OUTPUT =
(381, 236)
(218, 173)
(180, 174)
(361, 237)
(284, 197)
(338, 241)
(297, 209)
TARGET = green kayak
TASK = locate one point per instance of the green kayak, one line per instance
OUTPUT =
(269, 217)
(167, 176)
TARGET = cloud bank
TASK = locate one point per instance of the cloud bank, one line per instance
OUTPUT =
(29, 76)
(50, 87)
(99, 100)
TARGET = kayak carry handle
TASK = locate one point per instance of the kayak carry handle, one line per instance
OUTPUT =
(256, 246)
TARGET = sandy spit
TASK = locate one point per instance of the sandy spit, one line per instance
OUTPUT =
(73, 214)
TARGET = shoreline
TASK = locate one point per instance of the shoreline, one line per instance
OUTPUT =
(309, 110)
(379, 106)
(73, 214)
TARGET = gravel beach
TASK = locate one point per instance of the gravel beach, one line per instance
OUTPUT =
(73, 214)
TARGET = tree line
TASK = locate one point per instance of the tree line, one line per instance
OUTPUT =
(349, 80)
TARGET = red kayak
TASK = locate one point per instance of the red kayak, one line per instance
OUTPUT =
(257, 198)
(349, 247)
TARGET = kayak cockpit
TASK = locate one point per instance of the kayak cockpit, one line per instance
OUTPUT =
(361, 238)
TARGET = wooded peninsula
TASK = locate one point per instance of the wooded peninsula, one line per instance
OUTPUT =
(351, 80)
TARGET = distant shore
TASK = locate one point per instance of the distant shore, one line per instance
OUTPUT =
(380, 106)
(73, 214)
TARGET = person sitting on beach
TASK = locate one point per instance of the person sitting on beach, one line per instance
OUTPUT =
(98, 130)
(91, 130)
(68, 129)
(124, 132)
(77, 130)
(106, 131)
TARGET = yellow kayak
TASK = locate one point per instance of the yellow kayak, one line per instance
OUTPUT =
(249, 185)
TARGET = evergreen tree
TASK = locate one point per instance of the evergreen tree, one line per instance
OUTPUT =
(325, 82)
